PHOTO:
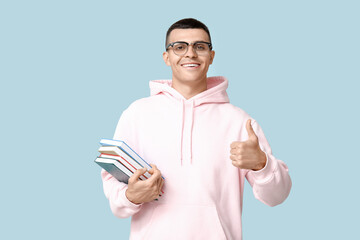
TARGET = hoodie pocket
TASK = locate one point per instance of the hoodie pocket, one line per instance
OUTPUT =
(185, 222)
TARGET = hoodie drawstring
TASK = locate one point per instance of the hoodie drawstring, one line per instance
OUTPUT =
(191, 129)
(182, 113)
(190, 135)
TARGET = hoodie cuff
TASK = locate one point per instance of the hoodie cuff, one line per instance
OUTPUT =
(265, 174)
(130, 204)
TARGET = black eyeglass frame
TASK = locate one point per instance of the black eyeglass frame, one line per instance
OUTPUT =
(173, 43)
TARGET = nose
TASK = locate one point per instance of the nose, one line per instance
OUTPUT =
(191, 52)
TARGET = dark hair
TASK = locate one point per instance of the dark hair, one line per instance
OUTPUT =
(187, 23)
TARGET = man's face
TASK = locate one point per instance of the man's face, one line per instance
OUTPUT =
(181, 72)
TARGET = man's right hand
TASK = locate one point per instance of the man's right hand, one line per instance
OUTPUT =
(140, 191)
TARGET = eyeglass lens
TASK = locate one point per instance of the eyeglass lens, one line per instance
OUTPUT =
(182, 48)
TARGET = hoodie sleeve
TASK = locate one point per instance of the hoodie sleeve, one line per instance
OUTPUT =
(271, 185)
(113, 189)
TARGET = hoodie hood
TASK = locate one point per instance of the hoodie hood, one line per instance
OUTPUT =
(215, 94)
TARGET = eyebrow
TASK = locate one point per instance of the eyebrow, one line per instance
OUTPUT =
(190, 42)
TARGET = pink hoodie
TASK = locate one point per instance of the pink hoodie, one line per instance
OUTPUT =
(189, 141)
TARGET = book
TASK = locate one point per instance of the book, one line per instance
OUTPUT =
(128, 165)
(126, 149)
(117, 153)
(115, 168)
(118, 159)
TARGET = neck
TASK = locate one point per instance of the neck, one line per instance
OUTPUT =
(189, 88)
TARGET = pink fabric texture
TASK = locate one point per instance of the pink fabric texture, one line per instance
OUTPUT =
(189, 141)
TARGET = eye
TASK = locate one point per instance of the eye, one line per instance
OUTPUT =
(200, 46)
(179, 46)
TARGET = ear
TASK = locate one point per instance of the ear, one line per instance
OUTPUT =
(166, 58)
(212, 55)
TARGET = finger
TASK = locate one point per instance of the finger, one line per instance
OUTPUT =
(235, 164)
(155, 175)
(234, 144)
(250, 130)
(154, 166)
(233, 158)
(235, 151)
(152, 169)
(137, 174)
(160, 184)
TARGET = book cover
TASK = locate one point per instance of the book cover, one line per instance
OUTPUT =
(115, 168)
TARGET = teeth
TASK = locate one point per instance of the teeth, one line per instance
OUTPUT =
(191, 65)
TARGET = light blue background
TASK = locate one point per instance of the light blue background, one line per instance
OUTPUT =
(69, 68)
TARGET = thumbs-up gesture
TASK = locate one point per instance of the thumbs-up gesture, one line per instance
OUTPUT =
(248, 155)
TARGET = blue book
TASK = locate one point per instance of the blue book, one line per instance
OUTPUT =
(115, 168)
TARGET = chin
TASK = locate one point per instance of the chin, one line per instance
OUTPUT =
(193, 77)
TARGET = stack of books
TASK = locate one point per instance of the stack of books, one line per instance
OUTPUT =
(118, 159)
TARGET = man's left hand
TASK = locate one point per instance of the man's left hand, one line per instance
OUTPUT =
(247, 154)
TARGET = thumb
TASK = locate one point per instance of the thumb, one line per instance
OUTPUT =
(137, 174)
(250, 130)
(152, 169)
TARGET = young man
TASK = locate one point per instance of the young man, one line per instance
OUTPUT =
(204, 146)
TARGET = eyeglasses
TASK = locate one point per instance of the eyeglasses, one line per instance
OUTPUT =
(181, 48)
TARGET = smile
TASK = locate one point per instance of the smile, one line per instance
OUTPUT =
(190, 65)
